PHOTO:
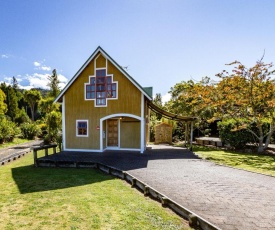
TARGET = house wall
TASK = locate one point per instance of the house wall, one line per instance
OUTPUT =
(77, 108)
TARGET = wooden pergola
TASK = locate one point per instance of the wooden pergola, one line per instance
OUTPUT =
(174, 117)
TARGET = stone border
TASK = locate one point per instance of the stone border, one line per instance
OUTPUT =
(14, 156)
(195, 220)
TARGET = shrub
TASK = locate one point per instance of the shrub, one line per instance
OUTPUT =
(43, 128)
(22, 117)
(53, 122)
(238, 138)
(8, 130)
(30, 130)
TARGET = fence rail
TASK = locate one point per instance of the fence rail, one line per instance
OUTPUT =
(46, 148)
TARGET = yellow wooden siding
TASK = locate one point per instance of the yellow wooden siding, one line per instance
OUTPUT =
(100, 62)
(76, 108)
(130, 134)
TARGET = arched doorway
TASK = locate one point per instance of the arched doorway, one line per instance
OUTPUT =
(122, 131)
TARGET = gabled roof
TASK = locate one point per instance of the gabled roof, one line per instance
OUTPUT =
(95, 53)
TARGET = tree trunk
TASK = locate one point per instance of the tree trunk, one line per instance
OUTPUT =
(268, 138)
(32, 112)
(261, 145)
(261, 139)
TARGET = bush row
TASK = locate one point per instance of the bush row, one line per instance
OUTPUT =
(9, 130)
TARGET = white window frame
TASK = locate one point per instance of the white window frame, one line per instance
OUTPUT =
(87, 135)
(88, 83)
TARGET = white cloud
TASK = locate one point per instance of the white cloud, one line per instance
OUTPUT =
(5, 56)
(62, 78)
(8, 80)
(37, 64)
(166, 97)
(45, 68)
(38, 80)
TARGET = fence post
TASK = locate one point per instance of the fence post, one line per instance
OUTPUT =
(35, 157)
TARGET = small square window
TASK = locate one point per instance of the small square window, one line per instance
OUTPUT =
(82, 128)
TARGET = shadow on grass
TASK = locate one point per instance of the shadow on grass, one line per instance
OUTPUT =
(30, 179)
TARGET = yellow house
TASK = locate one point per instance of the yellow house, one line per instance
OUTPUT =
(104, 108)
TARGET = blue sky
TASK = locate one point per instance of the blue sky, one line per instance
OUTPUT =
(161, 42)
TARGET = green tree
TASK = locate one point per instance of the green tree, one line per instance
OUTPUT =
(247, 96)
(3, 106)
(54, 121)
(155, 117)
(54, 84)
(192, 99)
(189, 98)
(158, 102)
(12, 98)
(32, 97)
(12, 103)
(46, 105)
(15, 84)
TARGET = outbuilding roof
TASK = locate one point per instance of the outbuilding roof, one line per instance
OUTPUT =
(169, 115)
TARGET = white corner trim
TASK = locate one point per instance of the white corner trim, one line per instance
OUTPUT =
(63, 123)
(101, 135)
(142, 136)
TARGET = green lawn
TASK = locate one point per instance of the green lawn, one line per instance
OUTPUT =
(55, 198)
(16, 141)
(249, 161)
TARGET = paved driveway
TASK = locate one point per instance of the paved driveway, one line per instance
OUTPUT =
(228, 198)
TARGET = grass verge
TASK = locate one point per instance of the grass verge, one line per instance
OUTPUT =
(56, 198)
(16, 141)
(249, 161)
